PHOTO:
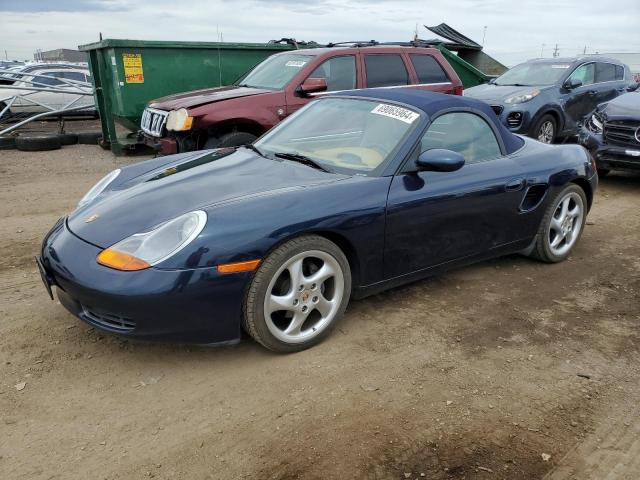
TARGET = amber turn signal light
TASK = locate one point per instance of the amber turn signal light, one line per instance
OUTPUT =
(121, 261)
(238, 266)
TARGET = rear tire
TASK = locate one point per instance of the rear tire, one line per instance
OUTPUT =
(298, 294)
(231, 139)
(561, 226)
(546, 129)
(37, 143)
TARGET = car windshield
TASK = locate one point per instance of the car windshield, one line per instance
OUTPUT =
(534, 74)
(275, 72)
(342, 135)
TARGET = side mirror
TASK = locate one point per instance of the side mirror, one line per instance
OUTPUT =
(440, 160)
(633, 87)
(312, 85)
(572, 83)
(492, 80)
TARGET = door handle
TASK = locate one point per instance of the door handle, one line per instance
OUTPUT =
(515, 185)
(592, 93)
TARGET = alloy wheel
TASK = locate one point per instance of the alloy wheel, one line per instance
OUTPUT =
(304, 296)
(566, 223)
(546, 132)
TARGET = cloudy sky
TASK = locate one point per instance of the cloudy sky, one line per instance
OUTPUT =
(515, 31)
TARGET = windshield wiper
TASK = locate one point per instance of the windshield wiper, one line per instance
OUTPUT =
(252, 147)
(296, 157)
(511, 84)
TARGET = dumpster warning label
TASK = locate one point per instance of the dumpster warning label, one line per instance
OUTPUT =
(133, 68)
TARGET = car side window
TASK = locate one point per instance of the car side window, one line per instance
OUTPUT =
(619, 72)
(48, 79)
(585, 73)
(385, 70)
(428, 69)
(340, 73)
(605, 72)
(465, 133)
(77, 76)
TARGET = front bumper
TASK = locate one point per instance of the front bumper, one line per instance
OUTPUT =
(162, 145)
(195, 305)
(609, 157)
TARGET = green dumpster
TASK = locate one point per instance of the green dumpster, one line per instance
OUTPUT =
(129, 73)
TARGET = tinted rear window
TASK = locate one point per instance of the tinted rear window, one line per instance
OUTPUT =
(385, 70)
(605, 72)
(428, 69)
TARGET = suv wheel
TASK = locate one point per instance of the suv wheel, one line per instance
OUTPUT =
(231, 139)
(545, 130)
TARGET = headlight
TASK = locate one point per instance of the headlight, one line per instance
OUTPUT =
(179, 120)
(144, 250)
(595, 123)
(99, 187)
(523, 98)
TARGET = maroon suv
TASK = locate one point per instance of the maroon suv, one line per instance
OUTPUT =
(280, 85)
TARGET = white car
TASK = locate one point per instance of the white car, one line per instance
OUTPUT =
(66, 77)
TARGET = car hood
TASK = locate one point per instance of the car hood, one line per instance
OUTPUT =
(624, 107)
(497, 94)
(204, 182)
(207, 95)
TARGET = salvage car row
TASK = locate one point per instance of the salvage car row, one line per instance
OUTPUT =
(546, 99)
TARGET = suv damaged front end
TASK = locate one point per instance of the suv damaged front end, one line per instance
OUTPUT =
(611, 133)
(164, 130)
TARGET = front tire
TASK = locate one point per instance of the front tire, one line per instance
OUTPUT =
(231, 139)
(298, 294)
(546, 129)
(561, 226)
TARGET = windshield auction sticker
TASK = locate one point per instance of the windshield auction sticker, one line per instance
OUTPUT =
(399, 113)
(560, 66)
(133, 67)
(295, 63)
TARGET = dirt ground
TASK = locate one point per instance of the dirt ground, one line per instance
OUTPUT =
(509, 369)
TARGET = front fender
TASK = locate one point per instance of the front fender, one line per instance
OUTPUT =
(554, 109)
(250, 228)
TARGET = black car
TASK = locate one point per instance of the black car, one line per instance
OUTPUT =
(612, 134)
(547, 98)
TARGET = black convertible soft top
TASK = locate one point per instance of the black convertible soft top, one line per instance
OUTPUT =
(432, 103)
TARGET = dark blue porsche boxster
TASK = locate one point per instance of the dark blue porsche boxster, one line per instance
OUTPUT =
(355, 193)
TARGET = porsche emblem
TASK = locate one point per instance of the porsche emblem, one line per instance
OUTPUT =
(91, 218)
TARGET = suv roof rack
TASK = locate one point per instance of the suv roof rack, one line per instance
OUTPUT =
(294, 42)
(373, 43)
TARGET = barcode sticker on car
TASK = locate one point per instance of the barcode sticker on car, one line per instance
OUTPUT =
(295, 63)
(399, 113)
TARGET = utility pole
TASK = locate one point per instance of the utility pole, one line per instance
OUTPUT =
(555, 51)
(584, 52)
(484, 34)
(542, 49)
(6, 56)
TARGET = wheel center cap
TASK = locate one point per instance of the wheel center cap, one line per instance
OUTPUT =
(305, 296)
